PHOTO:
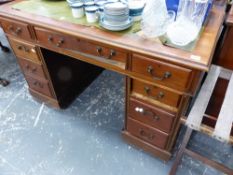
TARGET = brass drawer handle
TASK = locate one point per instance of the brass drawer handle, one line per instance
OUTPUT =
(159, 96)
(18, 30)
(38, 84)
(99, 50)
(28, 68)
(166, 75)
(60, 42)
(21, 47)
(112, 54)
(15, 32)
(34, 69)
(50, 38)
(145, 112)
(11, 28)
(26, 49)
(148, 136)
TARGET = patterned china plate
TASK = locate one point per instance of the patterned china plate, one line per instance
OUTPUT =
(116, 27)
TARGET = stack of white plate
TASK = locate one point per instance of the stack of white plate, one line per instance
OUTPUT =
(71, 1)
(116, 17)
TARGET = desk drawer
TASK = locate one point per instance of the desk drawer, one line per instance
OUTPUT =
(156, 93)
(162, 73)
(146, 133)
(41, 86)
(32, 69)
(103, 52)
(58, 40)
(25, 50)
(151, 115)
(17, 29)
(53, 39)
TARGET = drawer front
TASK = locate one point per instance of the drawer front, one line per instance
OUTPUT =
(150, 115)
(32, 69)
(156, 93)
(41, 86)
(17, 29)
(146, 133)
(25, 50)
(103, 52)
(162, 73)
(52, 39)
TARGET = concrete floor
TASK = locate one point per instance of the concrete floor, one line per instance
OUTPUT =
(85, 138)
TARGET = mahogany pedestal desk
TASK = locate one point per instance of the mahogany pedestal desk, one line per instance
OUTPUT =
(59, 59)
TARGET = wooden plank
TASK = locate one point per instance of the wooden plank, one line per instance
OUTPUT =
(225, 73)
(201, 103)
(209, 162)
(223, 126)
(181, 152)
(206, 129)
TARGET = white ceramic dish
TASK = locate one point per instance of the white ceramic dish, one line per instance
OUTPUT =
(183, 32)
(115, 7)
(118, 27)
(89, 3)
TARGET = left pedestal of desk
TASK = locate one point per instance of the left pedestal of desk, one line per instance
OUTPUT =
(30, 60)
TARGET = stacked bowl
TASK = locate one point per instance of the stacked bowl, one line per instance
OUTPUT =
(116, 17)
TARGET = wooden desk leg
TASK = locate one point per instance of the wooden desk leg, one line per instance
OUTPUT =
(4, 48)
(181, 151)
(4, 82)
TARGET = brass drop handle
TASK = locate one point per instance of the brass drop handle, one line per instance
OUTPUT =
(112, 54)
(34, 69)
(19, 47)
(26, 49)
(145, 112)
(36, 83)
(146, 135)
(27, 66)
(18, 30)
(159, 96)
(50, 38)
(99, 50)
(166, 75)
(11, 28)
(60, 42)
